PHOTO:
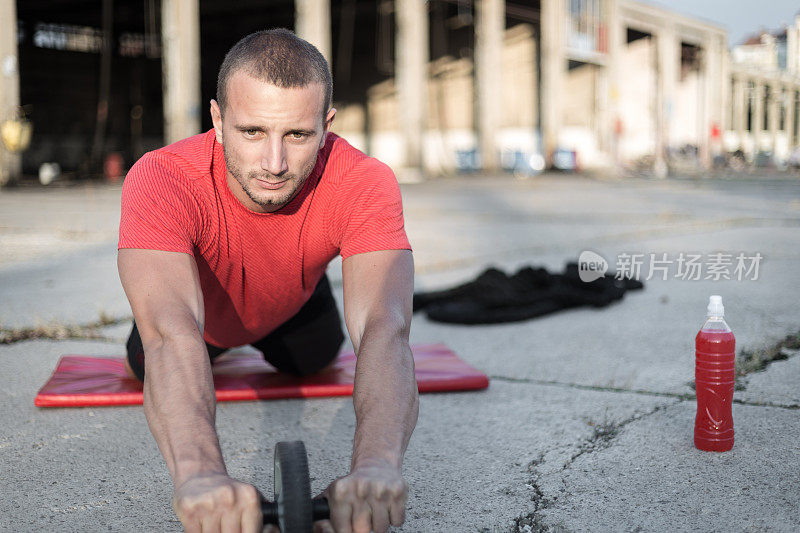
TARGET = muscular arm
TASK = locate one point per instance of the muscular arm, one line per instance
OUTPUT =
(378, 288)
(164, 291)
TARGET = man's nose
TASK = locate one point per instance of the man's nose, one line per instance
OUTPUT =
(273, 159)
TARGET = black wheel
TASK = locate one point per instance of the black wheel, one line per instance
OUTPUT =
(293, 488)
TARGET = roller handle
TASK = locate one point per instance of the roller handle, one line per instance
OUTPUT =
(320, 510)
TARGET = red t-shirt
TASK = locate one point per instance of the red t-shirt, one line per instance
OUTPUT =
(257, 270)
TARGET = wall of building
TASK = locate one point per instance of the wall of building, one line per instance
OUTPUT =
(686, 120)
(580, 114)
(636, 101)
(450, 137)
(572, 78)
(768, 79)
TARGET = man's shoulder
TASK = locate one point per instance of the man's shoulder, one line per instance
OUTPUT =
(189, 158)
(347, 164)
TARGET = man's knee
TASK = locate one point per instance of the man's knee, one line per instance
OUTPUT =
(134, 362)
(303, 355)
(323, 357)
(310, 341)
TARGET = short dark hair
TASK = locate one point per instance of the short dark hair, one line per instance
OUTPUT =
(279, 57)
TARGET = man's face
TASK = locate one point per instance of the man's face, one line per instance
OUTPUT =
(271, 136)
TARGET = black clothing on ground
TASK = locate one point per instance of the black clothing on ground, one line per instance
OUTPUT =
(494, 297)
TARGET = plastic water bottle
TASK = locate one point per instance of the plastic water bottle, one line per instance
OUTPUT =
(715, 348)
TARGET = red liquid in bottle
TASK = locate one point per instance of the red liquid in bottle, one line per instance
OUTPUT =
(714, 380)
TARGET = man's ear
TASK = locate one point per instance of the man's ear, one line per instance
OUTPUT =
(216, 119)
(327, 126)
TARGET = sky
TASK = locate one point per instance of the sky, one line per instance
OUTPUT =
(740, 17)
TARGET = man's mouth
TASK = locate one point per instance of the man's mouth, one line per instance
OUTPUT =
(271, 185)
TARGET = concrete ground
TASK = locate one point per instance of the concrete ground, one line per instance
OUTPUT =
(587, 423)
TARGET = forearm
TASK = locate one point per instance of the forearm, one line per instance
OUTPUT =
(385, 397)
(180, 407)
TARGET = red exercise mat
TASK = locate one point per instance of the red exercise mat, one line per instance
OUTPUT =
(80, 381)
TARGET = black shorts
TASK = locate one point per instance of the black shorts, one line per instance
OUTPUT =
(303, 345)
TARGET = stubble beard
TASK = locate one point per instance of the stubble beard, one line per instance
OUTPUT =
(268, 199)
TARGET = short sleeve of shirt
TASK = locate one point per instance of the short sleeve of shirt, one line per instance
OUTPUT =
(159, 211)
(369, 216)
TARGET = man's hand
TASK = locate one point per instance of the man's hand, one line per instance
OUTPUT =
(371, 498)
(217, 503)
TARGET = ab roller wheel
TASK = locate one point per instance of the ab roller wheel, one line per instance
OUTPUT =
(293, 510)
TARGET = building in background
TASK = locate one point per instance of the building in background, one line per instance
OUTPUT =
(764, 123)
(429, 86)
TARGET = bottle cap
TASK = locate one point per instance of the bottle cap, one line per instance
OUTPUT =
(715, 307)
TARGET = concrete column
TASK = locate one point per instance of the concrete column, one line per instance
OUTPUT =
(616, 42)
(605, 80)
(312, 22)
(180, 34)
(739, 119)
(667, 58)
(10, 163)
(796, 100)
(553, 67)
(789, 102)
(713, 97)
(796, 103)
(490, 25)
(793, 46)
(773, 115)
(758, 115)
(723, 105)
(412, 56)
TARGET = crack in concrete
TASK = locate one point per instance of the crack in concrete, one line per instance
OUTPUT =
(643, 392)
(790, 407)
(57, 331)
(532, 522)
(751, 361)
(606, 432)
(600, 439)
(554, 383)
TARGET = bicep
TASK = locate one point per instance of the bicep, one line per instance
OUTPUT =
(378, 286)
(164, 292)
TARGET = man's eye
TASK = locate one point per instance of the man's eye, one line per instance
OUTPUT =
(298, 135)
(251, 133)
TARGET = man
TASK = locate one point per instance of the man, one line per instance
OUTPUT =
(224, 241)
